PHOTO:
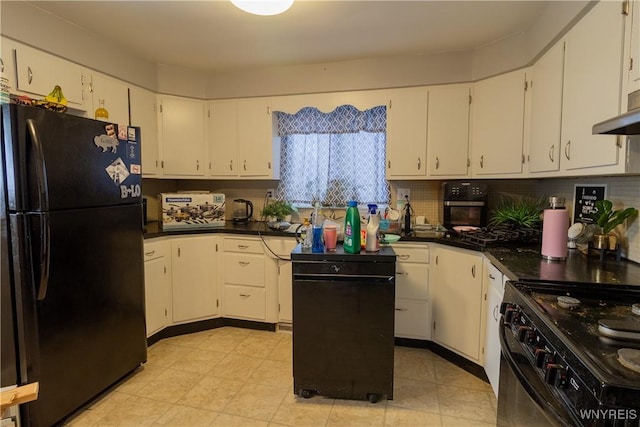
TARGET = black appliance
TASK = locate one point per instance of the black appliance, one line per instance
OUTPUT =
(72, 199)
(343, 322)
(558, 366)
(465, 204)
(242, 210)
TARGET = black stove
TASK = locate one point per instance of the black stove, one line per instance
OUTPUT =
(591, 372)
(497, 235)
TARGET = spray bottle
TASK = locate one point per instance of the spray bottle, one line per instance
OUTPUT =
(373, 228)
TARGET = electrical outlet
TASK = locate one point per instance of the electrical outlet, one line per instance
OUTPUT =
(270, 192)
(402, 192)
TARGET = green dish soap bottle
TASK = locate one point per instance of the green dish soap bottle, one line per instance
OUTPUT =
(351, 242)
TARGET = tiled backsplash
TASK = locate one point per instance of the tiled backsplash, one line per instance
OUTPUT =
(426, 196)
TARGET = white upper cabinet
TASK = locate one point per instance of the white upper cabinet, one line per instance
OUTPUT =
(223, 138)
(407, 133)
(182, 136)
(144, 113)
(633, 64)
(546, 111)
(39, 72)
(498, 125)
(592, 83)
(448, 130)
(241, 141)
(115, 94)
(255, 139)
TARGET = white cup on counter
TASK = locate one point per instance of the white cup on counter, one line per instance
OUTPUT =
(420, 220)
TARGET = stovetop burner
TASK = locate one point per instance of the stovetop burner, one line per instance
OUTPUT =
(495, 235)
(558, 326)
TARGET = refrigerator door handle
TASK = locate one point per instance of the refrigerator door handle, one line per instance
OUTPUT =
(45, 257)
(40, 167)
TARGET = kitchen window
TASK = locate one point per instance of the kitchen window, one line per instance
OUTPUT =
(333, 157)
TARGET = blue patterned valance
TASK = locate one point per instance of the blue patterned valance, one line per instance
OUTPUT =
(344, 119)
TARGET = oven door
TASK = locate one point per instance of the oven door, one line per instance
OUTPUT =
(464, 213)
(524, 400)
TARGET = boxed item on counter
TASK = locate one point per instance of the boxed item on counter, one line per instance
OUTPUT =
(182, 211)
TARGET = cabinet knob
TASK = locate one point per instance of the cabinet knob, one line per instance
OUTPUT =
(404, 256)
(419, 163)
(496, 314)
(243, 263)
(243, 246)
(567, 150)
(230, 165)
(437, 162)
(473, 270)
(29, 75)
(401, 309)
(149, 253)
(482, 161)
(551, 152)
(1, 66)
(245, 296)
(244, 165)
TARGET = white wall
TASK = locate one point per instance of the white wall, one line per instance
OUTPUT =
(26, 23)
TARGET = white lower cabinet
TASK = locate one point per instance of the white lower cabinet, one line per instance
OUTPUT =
(194, 290)
(412, 291)
(248, 280)
(244, 302)
(456, 301)
(279, 254)
(157, 285)
(493, 290)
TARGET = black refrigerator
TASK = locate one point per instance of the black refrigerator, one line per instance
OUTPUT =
(71, 203)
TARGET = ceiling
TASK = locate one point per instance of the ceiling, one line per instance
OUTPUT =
(216, 36)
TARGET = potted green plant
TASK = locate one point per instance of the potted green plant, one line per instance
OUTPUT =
(276, 212)
(607, 220)
(518, 211)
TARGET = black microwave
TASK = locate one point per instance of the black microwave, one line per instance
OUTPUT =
(465, 204)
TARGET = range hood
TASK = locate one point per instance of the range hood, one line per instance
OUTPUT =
(624, 124)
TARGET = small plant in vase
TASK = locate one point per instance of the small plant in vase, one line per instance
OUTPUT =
(276, 212)
(607, 220)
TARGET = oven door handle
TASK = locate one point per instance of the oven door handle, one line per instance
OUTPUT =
(537, 398)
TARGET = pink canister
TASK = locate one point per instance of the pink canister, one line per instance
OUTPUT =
(555, 224)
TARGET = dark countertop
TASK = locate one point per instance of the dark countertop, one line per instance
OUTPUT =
(517, 262)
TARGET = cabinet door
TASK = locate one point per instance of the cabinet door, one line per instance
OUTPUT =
(223, 138)
(193, 278)
(412, 281)
(115, 94)
(592, 82)
(143, 107)
(448, 130)
(255, 144)
(412, 319)
(634, 47)
(546, 111)
(457, 301)
(182, 136)
(493, 288)
(498, 124)
(38, 73)
(407, 133)
(157, 281)
(285, 300)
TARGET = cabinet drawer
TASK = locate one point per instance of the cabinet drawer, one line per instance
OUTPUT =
(412, 319)
(412, 253)
(244, 269)
(156, 249)
(244, 301)
(412, 281)
(233, 244)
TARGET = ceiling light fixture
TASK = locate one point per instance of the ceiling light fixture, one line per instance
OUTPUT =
(263, 7)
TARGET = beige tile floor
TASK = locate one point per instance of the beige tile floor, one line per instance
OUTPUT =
(242, 377)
